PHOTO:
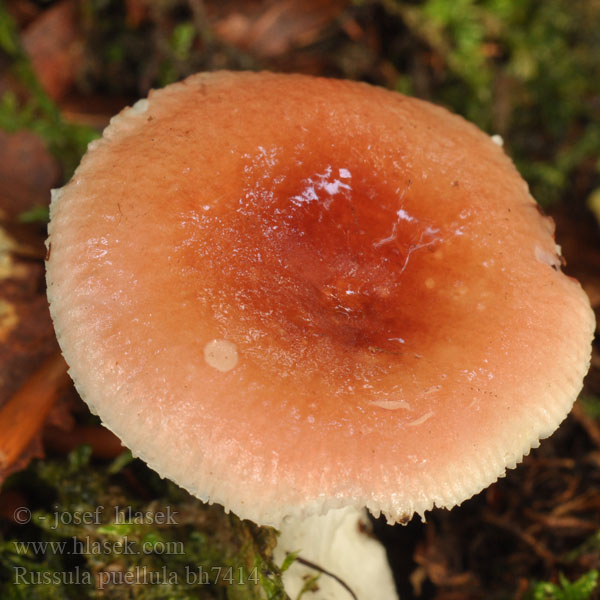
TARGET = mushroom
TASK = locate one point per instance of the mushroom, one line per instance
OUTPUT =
(292, 294)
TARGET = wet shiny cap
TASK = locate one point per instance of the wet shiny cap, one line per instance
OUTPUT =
(289, 294)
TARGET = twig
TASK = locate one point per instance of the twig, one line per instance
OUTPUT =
(312, 565)
(553, 522)
(527, 538)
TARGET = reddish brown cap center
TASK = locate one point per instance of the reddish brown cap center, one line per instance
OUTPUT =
(323, 249)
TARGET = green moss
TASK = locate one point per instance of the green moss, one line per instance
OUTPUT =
(591, 405)
(91, 536)
(581, 589)
(526, 70)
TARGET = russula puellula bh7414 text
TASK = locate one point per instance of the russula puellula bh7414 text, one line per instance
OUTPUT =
(291, 294)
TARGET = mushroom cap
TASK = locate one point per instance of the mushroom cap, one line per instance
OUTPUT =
(289, 294)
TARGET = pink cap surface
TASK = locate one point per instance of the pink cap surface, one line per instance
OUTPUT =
(289, 294)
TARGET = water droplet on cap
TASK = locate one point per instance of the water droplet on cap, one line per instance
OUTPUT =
(221, 355)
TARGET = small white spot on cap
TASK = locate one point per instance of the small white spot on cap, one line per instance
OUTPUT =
(497, 139)
(461, 290)
(403, 215)
(141, 106)
(546, 257)
(221, 355)
(390, 404)
(422, 419)
(55, 194)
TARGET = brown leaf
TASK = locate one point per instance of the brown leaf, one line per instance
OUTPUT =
(54, 44)
(26, 333)
(28, 172)
(23, 416)
(274, 27)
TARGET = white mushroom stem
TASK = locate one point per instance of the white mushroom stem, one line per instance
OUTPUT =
(346, 555)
